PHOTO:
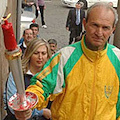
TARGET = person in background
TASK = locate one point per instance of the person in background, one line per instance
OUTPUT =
(27, 5)
(35, 28)
(111, 4)
(36, 55)
(27, 37)
(41, 7)
(83, 79)
(78, 38)
(53, 45)
(74, 21)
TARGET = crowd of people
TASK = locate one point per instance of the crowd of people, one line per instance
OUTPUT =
(81, 81)
(39, 5)
(36, 55)
(36, 52)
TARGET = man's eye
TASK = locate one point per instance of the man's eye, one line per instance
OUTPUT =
(95, 25)
(106, 28)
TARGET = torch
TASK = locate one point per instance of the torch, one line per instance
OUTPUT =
(21, 100)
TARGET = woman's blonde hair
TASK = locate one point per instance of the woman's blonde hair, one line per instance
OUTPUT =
(31, 48)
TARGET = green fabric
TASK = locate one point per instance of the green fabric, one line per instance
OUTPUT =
(33, 79)
(73, 58)
(116, 63)
(49, 82)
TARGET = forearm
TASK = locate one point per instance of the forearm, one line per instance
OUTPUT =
(11, 89)
(36, 2)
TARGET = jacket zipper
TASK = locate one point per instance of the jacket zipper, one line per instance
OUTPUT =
(92, 108)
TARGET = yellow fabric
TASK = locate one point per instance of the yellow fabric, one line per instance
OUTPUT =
(85, 87)
(48, 69)
(91, 90)
(37, 90)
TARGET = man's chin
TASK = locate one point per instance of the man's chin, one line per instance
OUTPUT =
(98, 43)
(99, 47)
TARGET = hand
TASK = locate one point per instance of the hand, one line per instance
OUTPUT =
(67, 28)
(47, 113)
(38, 8)
(44, 7)
(23, 115)
(30, 3)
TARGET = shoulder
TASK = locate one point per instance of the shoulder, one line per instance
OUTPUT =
(72, 10)
(67, 51)
(73, 48)
(115, 50)
(82, 11)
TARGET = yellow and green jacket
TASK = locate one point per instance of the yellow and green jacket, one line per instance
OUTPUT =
(83, 84)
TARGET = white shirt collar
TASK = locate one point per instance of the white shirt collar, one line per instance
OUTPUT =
(24, 45)
(29, 73)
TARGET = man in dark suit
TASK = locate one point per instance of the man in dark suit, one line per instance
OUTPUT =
(74, 21)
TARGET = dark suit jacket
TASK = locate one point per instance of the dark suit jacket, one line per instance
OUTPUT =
(71, 19)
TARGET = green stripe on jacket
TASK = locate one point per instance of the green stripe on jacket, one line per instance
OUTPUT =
(116, 63)
(49, 75)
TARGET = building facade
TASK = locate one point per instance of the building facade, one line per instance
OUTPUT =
(6, 6)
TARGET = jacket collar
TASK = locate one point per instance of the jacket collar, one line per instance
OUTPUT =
(92, 55)
(29, 73)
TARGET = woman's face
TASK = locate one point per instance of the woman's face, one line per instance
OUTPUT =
(39, 57)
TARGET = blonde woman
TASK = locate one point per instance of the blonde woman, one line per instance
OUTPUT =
(36, 55)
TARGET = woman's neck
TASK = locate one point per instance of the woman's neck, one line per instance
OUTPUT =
(34, 70)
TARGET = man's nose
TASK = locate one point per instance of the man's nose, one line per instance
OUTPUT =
(99, 30)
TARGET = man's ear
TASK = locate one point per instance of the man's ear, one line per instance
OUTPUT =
(84, 23)
(114, 29)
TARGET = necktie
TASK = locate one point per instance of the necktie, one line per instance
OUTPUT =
(77, 17)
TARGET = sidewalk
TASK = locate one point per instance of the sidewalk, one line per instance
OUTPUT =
(26, 20)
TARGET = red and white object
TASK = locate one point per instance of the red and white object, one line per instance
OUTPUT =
(20, 101)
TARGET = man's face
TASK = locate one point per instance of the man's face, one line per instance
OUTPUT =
(53, 48)
(35, 31)
(28, 36)
(78, 6)
(98, 28)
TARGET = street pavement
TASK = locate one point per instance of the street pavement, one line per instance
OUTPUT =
(55, 18)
